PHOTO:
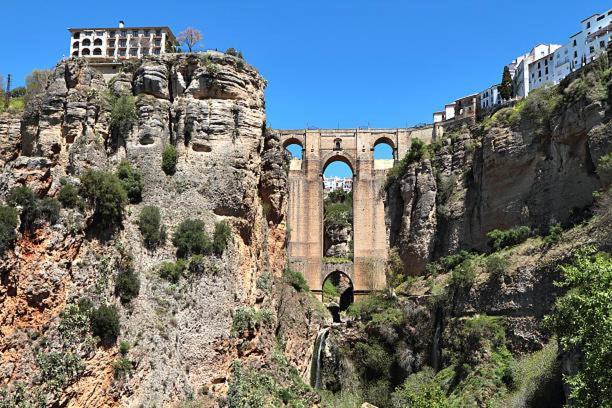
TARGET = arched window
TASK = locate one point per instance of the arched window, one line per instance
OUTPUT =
(86, 42)
(75, 44)
(85, 51)
(338, 144)
(76, 36)
(98, 41)
(338, 210)
(75, 54)
(97, 51)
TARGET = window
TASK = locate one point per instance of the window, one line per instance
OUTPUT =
(546, 72)
(85, 52)
(99, 33)
(98, 41)
(145, 51)
(147, 33)
(112, 34)
(589, 24)
(110, 53)
(86, 42)
(111, 43)
(575, 54)
(76, 36)
(97, 51)
(156, 51)
(158, 33)
(123, 33)
(574, 43)
(134, 52)
(591, 49)
(75, 44)
(337, 144)
(122, 43)
(134, 33)
(157, 42)
(88, 33)
(602, 44)
(122, 53)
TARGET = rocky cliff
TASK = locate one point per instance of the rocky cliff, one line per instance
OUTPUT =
(211, 108)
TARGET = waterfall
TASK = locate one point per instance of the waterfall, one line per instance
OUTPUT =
(315, 367)
(435, 347)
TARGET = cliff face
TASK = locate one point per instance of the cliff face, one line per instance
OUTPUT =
(484, 178)
(211, 108)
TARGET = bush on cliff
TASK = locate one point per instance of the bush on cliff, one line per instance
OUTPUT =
(69, 196)
(581, 320)
(190, 239)
(105, 323)
(33, 209)
(418, 151)
(127, 285)
(123, 114)
(151, 228)
(8, 223)
(420, 390)
(131, 179)
(105, 193)
(173, 271)
(499, 239)
(221, 237)
(296, 279)
(169, 159)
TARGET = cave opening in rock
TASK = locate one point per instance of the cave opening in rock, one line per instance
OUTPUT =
(337, 294)
(337, 212)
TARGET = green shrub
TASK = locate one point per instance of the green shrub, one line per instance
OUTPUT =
(581, 320)
(539, 108)
(122, 367)
(127, 285)
(249, 319)
(374, 360)
(330, 291)
(496, 264)
(264, 282)
(463, 275)
(105, 193)
(499, 239)
(169, 159)
(124, 347)
(190, 239)
(296, 279)
(123, 114)
(420, 390)
(8, 223)
(418, 151)
(221, 237)
(451, 261)
(197, 264)
(105, 323)
(554, 234)
(69, 196)
(48, 209)
(173, 271)
(131, 179)
(59, 369)
(25, 198)
(151, 228)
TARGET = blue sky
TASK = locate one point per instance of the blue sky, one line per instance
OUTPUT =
(342, 63)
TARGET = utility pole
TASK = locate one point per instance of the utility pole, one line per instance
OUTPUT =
(7, 94)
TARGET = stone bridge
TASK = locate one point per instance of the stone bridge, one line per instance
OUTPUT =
(355, 147)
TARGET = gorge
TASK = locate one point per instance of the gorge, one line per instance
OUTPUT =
(457, 245)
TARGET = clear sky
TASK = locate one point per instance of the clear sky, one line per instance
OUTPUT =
(340, 63)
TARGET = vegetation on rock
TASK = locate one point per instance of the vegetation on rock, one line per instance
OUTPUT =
(221, 237)
(189, 238)
(131, 179)
(169, 159)
(150, 225)
(8, 223)
(105, 323)
(499, 239)
(105, 193)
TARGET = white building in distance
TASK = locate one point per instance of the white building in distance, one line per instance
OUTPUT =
(105, 47)
(337, 183)
(490, 97)
(533, 63)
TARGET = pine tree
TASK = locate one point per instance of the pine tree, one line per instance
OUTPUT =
(505, 89)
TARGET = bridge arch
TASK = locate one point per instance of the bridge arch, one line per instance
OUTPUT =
(379, 147)
(337, 293)
(340, 156)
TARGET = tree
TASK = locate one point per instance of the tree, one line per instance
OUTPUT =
(190, 238)
(190, 37)
(36, 82)
(505, 89)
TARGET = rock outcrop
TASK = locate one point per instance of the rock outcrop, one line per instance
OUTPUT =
(210, 106)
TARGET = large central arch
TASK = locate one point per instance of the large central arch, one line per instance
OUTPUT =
(355, 147)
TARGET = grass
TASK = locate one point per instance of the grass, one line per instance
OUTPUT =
(336, 260)
(15, 105)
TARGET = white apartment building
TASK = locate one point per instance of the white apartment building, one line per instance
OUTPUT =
(121, 42)
(490, 97)
(337, 183)
(542, 72)
(528, 64)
